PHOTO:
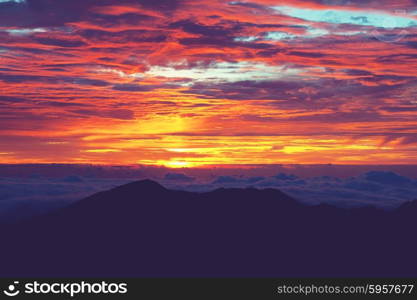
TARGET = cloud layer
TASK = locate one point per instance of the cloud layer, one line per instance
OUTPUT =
(375, 188)
(27, 190)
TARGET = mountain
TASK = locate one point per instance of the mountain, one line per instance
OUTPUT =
(144, 229)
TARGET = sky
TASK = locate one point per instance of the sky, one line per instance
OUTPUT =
(181, 83)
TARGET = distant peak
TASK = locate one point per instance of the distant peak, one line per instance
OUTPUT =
(409, 206)
(142, 185)
(147, 183)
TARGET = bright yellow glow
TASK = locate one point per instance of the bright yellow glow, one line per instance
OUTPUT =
(102, 151)
(184, 150)
(214, 135)
(171, 164)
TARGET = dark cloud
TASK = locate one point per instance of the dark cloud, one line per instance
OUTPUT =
(56, 13)
(160, 5)
(87, 81)
(357, 72)
(63, 104)
(343, 117)
(27, 50)
(315, 94)
(129, 87)
(247, 4)
(18, 78)
(127, 19)
(178, 177)
(222, 41)
(387, 177)
(412, 44)
(307, 54)
(394, 58)
(205, 30)
(121, 114)
(395, 109)
(60, 42)
(125, 36)
(222, 34)
(247, 90)
(8, 99)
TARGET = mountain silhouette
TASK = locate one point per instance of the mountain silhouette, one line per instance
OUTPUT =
(142, 229)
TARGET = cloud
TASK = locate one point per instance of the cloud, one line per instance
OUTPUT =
(178, 177)
(32, 189)
(204, 30)
(129, 87)
(384, 189)
(389, 178)
(23, 198)
(121, 114)
(12, 78)
(60, 42)
(126, 36)
(341, 16)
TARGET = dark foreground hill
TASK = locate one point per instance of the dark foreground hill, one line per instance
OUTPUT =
(143, 229)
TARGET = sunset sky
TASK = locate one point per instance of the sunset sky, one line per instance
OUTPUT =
(181, 83)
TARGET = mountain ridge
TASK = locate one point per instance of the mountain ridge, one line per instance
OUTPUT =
(144, 229)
